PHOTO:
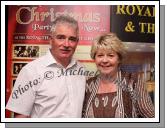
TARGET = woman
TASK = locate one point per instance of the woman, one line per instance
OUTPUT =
(113, 93)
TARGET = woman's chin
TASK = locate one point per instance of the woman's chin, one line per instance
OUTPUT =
(108, 72)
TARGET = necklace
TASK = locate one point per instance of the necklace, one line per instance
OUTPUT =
(104, 100)
(108, 78)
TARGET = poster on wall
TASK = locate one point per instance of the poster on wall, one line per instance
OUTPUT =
(134, 23)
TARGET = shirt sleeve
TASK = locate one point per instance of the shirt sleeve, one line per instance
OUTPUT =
(23, 95)
(144, 103)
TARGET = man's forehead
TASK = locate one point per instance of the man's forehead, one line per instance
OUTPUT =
(65, 25)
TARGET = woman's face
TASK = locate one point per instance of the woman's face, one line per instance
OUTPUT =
(107, 61)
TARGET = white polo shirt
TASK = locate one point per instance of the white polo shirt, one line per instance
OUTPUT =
(45, 89)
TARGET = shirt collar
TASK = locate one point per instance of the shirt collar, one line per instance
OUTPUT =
(50, 60)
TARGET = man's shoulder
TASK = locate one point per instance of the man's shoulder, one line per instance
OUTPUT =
(79, 64)
(36, 63)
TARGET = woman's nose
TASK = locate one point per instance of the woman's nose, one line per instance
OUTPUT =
(105, 59)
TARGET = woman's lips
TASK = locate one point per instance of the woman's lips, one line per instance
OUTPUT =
(105, 66)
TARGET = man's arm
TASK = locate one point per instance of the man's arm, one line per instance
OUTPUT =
(16, 102)
(16, 115)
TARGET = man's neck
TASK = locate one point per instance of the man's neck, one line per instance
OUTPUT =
(63, 61)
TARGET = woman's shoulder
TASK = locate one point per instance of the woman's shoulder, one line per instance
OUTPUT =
(131, 75)
(91, 79)
(91, 83)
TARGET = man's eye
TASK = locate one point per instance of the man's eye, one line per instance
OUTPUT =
(60, 37)
(74, 39)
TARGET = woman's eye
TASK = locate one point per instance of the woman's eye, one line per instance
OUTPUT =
(111, 55)
(99, 55)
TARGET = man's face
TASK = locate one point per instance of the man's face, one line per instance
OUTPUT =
(64, 42)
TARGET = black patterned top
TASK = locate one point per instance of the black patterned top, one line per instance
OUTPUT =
(131, 100)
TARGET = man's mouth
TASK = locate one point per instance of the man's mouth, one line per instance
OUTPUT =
(65, 50)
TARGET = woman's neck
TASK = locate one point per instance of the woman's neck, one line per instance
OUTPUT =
(106, 86)
(108, 78)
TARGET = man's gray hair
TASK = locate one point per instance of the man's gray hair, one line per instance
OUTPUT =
(65, 19)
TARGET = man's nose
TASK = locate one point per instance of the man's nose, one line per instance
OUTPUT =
(66, 42)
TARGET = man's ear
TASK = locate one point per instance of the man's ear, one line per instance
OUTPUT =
(50, 37)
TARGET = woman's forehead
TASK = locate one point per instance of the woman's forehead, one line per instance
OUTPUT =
(105, 50)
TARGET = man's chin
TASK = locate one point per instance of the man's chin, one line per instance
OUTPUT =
(65, 56)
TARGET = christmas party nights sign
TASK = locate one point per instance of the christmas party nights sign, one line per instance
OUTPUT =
(34, 22)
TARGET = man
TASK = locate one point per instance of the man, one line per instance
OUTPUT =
(46, 87)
